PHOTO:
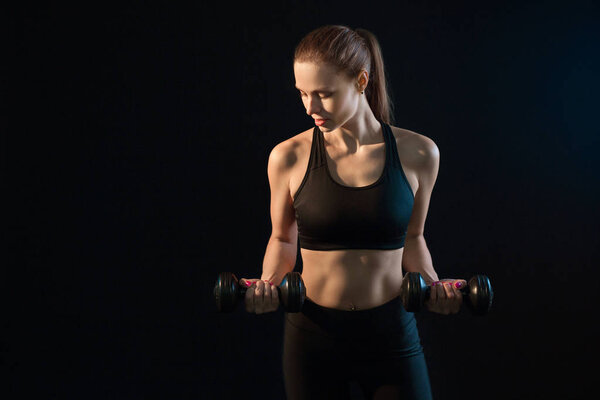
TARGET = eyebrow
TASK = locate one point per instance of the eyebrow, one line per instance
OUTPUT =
(324, 89)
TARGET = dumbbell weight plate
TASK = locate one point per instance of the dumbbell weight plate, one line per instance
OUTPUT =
(413, 291)
(293, 292)
(480, 294)
(225, 291)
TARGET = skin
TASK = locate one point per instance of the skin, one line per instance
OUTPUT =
(349, 279)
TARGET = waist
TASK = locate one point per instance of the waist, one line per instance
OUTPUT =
(352, 279)
(388, 325)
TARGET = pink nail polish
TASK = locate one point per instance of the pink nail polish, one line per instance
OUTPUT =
(248, 284)
(458, 285)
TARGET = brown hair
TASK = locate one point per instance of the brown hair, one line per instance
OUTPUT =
(350, 51)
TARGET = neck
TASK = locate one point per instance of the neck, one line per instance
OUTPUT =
(360, 130)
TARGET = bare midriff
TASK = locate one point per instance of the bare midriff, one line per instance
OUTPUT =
(352, 279)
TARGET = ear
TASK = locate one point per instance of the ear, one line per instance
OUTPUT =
(363, 79)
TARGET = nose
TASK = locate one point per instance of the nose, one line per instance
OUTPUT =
(313, 105)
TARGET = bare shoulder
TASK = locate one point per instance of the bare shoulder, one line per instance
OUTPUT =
(286, 155)
(415, 150)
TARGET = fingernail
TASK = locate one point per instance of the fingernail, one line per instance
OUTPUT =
(248, 284)
(458, 285)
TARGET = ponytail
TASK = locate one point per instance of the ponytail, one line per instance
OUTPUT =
(377, 93)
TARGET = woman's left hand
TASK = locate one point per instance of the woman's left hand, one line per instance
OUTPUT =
(445, 297)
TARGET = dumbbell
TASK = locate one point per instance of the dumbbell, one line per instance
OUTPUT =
(478, 293)
(228, 292)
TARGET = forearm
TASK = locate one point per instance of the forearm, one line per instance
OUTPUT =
(280, 258)
(416, 258)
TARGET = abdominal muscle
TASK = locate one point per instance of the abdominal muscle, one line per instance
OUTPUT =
(353, 279)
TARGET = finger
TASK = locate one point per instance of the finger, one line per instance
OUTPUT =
(459, 283)
(267, 296)
(244, 282)
(274, 296)
(259, 302)
(457, 301)
(455, 282)
(448, 290)
(434, 292)
(457, 292)
(441, 292)
(267, 286)
(440, 298)
(249, 299)
(450, 298)
(271, 296)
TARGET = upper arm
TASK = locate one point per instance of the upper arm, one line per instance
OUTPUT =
(282, 159)
(425, 161)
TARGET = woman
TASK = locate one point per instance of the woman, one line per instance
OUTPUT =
(354, 191)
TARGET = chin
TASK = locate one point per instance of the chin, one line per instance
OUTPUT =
(327, 127)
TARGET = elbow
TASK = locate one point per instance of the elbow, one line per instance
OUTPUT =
(288, 235)
(284, 239)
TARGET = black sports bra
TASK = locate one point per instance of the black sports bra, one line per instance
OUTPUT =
(333, 216)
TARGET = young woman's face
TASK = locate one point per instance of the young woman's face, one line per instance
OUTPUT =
(326, 94)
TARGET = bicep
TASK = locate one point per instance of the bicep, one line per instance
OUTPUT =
(283, 217)
(426, 164)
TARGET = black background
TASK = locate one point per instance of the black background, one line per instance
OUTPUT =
(137, 166)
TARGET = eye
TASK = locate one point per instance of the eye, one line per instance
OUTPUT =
(322, 96)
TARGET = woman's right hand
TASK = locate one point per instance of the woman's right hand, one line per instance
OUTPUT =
(261, 296)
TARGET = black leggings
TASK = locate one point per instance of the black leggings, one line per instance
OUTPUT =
(326, 349)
